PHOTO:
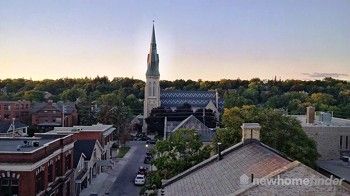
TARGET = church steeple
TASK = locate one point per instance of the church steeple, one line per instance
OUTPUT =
(153, 57)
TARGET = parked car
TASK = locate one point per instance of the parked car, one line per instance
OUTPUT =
(142, 171)
(151, 141)
(140, 179)
(147, 160)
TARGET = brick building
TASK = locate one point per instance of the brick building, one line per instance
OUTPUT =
(103, 133)
(41, 165)
(15, 109)
(47, 115)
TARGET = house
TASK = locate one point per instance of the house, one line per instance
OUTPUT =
(206, 134)
(20, 110)
(47, 115)
(40, 165)
(244, 169)
(7, 127)
(87, 154)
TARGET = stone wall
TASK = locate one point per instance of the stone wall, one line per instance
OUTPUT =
(328, 140)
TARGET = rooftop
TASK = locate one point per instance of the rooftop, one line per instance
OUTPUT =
(335, 122)
(336, 167)
(85, 147)
(6, 124)
(213, 177)
(9, 144)
(251, 125)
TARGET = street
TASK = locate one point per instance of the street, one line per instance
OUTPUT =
(124, 183)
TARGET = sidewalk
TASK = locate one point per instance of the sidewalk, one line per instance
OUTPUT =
(104, 181)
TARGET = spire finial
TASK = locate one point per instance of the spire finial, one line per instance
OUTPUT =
(153, 34)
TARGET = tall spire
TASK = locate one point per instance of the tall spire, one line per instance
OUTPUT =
(153, 58)
(153, 35)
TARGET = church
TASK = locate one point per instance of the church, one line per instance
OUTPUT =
(172, 99)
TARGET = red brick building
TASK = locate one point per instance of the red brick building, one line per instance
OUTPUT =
(15, 109)
(47, 115)
(41, 165)
(103, 133)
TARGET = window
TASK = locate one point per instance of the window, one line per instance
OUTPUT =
(58, 169)
(347, 142)
(150, 89)
(8, 187)
(39, 182)
(50, 173)
(341, 142)
(154, 88)
(68, 162)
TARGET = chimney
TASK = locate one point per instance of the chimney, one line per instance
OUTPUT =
(310, 115)
(219, 151)
(50, 101)
(250, 131)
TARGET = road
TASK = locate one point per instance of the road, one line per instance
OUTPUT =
(124, 183)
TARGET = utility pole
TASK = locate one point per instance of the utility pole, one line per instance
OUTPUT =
(204, 116)
(13, 127)
(63, 115)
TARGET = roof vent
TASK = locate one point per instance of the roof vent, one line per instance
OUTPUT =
(219, 151)
(36, 144)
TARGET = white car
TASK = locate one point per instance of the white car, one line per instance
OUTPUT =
(140, 179)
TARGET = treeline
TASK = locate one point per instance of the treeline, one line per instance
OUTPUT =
(292, 95)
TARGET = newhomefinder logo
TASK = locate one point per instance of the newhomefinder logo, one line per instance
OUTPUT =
(279, 181)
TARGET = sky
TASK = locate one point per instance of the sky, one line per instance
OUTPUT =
(208, 40)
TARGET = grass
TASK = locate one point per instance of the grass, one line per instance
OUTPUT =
(122, 151)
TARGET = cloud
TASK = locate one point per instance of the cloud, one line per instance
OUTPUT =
(325, 75)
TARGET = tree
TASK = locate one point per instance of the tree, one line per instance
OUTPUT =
(34, 95)
(73, 94)
(281, 132)
(182, 150)
(235, 100)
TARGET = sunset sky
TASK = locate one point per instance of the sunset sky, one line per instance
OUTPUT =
(207, 40)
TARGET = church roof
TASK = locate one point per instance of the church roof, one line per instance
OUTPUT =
(176, 98)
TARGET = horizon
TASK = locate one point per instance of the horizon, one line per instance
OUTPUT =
(207, 40)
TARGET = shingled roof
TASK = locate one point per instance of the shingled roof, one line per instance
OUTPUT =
(69, 106)
(213, 177)
(192, 122)
(85, 147)
(216, 177)
(176, 98)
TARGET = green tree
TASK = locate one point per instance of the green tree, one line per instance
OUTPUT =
(34, 95)
(73, 94)
(281, 132)
(181, 151)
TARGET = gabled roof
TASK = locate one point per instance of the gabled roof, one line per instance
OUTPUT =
(85, 147)
(69, 106)
(176, 98)
(222, 177)
(192, 122)
(6, 124)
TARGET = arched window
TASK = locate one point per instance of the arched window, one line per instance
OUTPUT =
(150, 89)
(154, 89)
